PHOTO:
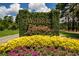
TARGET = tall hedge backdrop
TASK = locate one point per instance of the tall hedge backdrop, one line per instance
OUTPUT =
(32, 23)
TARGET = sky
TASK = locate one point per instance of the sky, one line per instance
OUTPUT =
(11, 9)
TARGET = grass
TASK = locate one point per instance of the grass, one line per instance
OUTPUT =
(11, 32)
(72, 35)
(8, 32)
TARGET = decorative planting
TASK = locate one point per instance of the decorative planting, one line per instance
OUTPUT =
(37, 45)
(33, 23)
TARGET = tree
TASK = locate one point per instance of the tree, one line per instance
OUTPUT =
(74, 10)
(8, 19)
(1, 25)
(68, 11)
(63, 7)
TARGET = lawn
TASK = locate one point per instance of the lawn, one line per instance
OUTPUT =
(68, 34)
(8, 32)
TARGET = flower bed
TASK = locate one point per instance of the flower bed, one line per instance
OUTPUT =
(40, 45)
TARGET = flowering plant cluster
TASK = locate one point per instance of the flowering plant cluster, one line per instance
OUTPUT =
(23, 51)
(68, 44)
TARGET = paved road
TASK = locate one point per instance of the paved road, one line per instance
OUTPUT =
(6, 38)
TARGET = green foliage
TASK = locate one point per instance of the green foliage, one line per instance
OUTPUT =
(7, 23)
(2, 27)
(69, 11)
(50, 19)
(61, 6)
(8, 19)
(63, 26)
(55, 21)
(4, 54)
(13, 26)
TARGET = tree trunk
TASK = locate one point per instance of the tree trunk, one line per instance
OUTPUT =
(73, 24)
(68, 24)
(76, 26)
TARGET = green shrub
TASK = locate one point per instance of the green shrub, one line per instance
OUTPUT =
(2, 27)
(55, 22)
(50, 19)
(13, 26)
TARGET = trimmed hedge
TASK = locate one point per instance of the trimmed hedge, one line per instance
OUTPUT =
(49, 19)
(55, 22)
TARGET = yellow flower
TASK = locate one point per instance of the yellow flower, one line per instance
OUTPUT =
(41, 40)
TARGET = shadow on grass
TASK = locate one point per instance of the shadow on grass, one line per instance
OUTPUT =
(72, 35)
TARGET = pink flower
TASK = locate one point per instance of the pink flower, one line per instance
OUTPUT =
(34, 53)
